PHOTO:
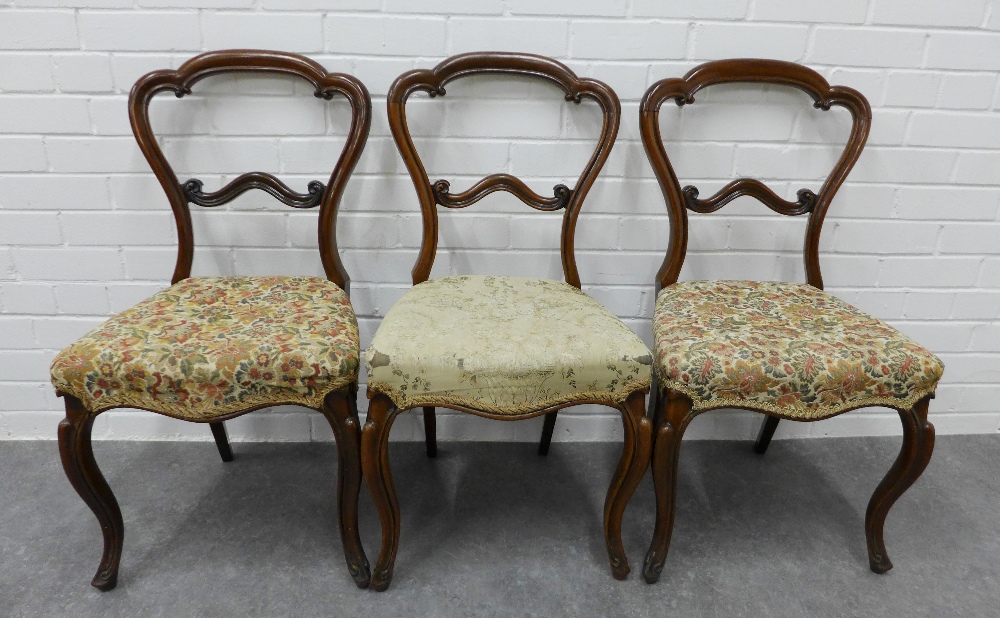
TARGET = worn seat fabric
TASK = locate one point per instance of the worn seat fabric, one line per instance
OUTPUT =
(210, 346)
(785, 348)
(503, 345)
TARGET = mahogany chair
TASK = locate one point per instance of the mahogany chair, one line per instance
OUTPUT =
(787, 350)
(208, 349)
(506, 348)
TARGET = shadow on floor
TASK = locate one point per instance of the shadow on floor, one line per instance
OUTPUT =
(493, 529)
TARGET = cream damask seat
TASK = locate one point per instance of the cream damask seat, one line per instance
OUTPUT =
(506, 348)
(208, 349)
(790, 351)
(504, 345)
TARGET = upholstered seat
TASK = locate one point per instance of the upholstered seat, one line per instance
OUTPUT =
(210, 346)
(503, 345)
(785, 348)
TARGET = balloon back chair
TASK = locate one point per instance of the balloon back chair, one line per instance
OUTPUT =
(208, 349)
(504, 348)
(790, 351)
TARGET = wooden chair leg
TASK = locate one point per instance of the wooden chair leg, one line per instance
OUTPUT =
(222, 440)
(666, 451)
(430, 431)
(631, 468)
(655, 412)
(347, 431)
(918, 445)
(766, 433)
(547, 429)
(375, 464)
(81, 469)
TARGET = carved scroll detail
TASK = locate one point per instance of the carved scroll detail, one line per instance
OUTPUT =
(255, 180)
(501, 182)
(754, 188)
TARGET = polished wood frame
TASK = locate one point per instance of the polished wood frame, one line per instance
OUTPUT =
(672, 411)
(382, 411)
(339, 407)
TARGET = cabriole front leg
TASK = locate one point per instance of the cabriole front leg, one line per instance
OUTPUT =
(342, 416)
(375, 464)
(918, 444)
(631, 468)
(674, 419)
(81, 469)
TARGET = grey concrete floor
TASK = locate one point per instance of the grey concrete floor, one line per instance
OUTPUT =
(493, 529)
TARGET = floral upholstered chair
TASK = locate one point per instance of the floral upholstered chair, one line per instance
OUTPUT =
(787, 350)
(506, 348)
(208, 349)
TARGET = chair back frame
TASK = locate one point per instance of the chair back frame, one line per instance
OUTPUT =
(679, 200)
(431, 195)
(327, 196)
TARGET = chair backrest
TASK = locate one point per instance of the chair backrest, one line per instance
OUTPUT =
(327, 196)
(682, 91)
(437, 193)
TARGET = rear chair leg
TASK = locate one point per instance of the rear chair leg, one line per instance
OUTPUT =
(655, 406)
(766, 433)
(547, 429)
(222, 440)
(430, 431)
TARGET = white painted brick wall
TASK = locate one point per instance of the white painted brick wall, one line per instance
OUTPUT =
(913, 237)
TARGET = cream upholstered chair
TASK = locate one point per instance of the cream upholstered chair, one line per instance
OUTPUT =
(208, 349)
(788, 350)
(506, 348)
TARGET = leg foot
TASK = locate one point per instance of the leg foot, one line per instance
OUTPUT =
(766, 433)
(222, 440)
(547, 429)
(631, 468)
(375, 463)
(430, 431)
(81, 469)
(342, 416)
(674, 419)
(918, 444)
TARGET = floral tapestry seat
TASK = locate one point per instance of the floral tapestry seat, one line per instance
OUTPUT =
(504, 345)
(209, 346)
(785, 348)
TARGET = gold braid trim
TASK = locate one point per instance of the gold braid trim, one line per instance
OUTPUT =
(142, 400)
(405, 402)
(795, 412)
